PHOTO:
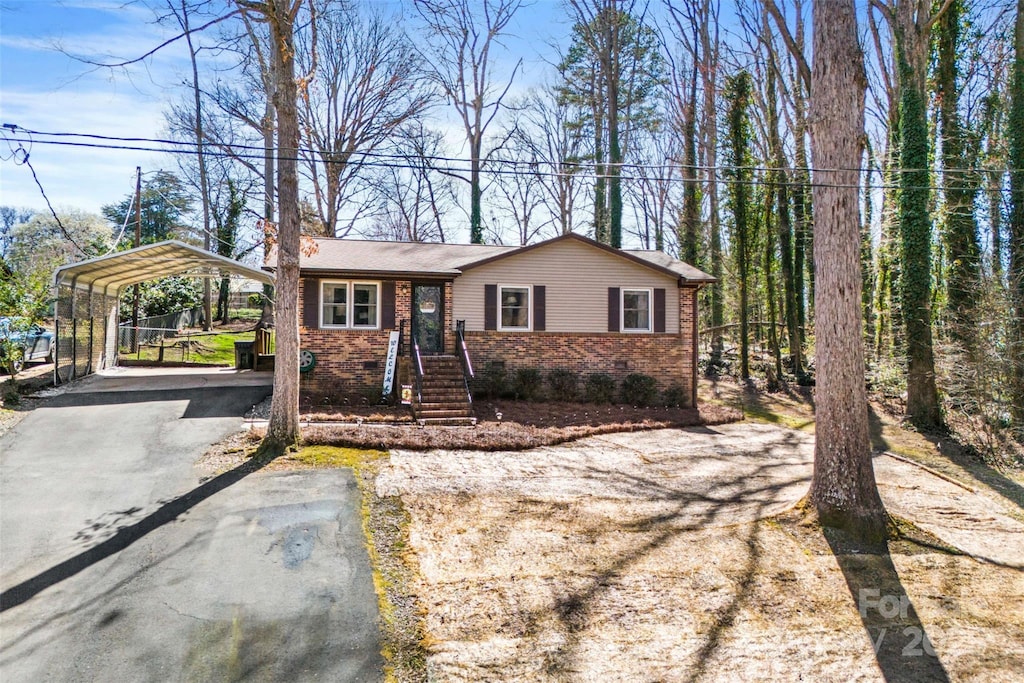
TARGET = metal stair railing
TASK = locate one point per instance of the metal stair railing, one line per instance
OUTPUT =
(467, 364)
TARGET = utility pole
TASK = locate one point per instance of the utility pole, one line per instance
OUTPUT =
(138, 240)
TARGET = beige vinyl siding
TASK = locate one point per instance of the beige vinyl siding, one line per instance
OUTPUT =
(577, 277)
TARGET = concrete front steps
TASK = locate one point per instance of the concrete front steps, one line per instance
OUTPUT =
(444, 400)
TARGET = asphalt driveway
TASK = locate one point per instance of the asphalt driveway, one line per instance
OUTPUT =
(119, 563)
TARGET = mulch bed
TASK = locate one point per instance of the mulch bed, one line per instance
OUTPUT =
(502, 425)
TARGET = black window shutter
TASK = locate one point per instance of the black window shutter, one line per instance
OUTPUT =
(490, 307)
(539, 307)
(387, 305)
(311, 302)
(613, 309)
(659, 310)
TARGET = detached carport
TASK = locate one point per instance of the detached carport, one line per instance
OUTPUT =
(88, 292)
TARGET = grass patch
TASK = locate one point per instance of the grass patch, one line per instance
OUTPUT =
(209, 349)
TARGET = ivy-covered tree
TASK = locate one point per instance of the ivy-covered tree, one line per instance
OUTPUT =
(739, 175)
(960, 186)
(911, 23)
(1016, 222)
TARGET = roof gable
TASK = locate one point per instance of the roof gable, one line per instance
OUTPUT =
(654, 260)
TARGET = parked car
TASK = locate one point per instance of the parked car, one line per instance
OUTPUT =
(29, 343)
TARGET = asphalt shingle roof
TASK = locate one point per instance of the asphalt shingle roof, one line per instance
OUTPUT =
(373, 257)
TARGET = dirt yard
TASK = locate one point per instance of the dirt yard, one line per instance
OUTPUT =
(675, 555)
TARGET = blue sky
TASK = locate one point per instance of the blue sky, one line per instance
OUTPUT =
(42, 89)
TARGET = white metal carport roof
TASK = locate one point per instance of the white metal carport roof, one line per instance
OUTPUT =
(108, 274)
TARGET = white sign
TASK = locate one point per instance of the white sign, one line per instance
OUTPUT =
(389, 366)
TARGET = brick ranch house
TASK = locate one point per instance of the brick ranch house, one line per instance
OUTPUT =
(568, 302)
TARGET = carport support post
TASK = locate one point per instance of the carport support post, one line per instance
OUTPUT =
(138, 239)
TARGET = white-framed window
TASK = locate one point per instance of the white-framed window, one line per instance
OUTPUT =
(347, 304)
(514, 307)
(333, 304)
(636, 310)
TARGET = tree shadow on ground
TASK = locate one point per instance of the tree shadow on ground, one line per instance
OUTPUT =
(957, 454)
(902, 648)
(126, 536)
(691, 511)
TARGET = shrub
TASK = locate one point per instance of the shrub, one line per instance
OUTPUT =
(675, 396)
(600, 388)
(639, 389)
(491, 382)
(565, 384)
(527, 384)
(255, 300)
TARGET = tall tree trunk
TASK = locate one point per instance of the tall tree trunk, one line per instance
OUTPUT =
(890, 338)
(843, 488)
(689, 240)
(915, 222)
(268, 123)
(963, 253)
(614, 145)
(283, 428)
(601, 231)
(709, 83)
(1016, 222)
(781, 197)
(204, 186)
(476, 230)
(801, 213)
(769, 278)
(867, 280)
(739, 144)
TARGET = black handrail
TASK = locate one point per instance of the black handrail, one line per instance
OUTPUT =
(467, 364)
(417, 364)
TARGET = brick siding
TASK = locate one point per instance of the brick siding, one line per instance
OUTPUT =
(344, 358)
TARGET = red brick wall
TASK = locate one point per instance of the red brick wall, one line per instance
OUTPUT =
(342, 356)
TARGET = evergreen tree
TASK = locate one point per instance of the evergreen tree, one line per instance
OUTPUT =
(613, 69)
(165, 205)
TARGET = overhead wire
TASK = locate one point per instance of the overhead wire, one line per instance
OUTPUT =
(252, 152)
(21, 156)
(506, 162)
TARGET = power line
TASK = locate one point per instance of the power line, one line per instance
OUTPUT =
(21, 158)
(506, 162)
(216, 151)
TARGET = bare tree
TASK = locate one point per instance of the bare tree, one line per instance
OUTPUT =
(461, 37)
(843, 489)
(412, 197)
(520, 186)
(366, 85)
(543, 134)
(280, 16)
(701, 18)
(653, 189)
